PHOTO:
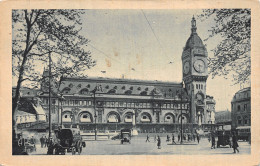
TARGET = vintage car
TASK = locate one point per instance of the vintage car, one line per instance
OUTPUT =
(125, 135)
(224, 138)
(67, 140)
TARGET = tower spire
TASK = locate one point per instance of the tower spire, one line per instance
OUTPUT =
(193, 25)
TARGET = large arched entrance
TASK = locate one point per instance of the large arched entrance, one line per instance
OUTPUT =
(169, 118)
(66, 116)
(184, 119)
(85, 117)
(113, 117)
(128, 117)
(146, 118)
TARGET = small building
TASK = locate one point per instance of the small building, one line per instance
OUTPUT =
(241, 108)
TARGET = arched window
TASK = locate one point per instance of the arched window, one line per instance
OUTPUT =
(184, 119)
(84, 92)
(239, 120)
(66, 117)
(66, 90)
(113, 117)
(85, 117)
(128, 117)
(146, 118)
(169, 118)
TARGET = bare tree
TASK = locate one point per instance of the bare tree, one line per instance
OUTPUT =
(38, 33)
(232, 54)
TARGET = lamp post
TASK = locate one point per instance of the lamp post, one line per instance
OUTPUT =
(50, 127)
(62, 97)
(95, 114)
(181, 121)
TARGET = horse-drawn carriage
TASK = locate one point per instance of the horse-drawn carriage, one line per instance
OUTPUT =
(67, 140)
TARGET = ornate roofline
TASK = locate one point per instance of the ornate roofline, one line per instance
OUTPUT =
(124, 81)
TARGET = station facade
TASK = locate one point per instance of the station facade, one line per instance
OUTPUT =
(149, 106)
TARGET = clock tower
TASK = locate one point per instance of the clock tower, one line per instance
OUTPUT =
(195, 74)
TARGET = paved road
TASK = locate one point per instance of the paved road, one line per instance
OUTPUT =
(138, 146)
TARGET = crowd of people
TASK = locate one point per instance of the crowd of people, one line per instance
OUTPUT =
(186, 137)
(44, 141)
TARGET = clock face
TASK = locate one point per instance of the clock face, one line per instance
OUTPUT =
(199, 66)
(186, 67)
(199, 97)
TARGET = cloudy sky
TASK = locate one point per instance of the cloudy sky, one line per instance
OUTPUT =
(140, 44)
(147, 45)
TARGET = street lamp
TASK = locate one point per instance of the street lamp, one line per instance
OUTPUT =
(62, 99)
(181, 97)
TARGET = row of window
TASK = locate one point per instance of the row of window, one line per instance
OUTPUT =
(115, 104)
(198, 86)
(246, 121)
(239, 107)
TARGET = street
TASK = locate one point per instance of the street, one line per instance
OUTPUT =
(138, 146)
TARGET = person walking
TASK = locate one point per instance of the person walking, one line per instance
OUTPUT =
(173, 139)
(147, 138)
(198, 138)
(179, 136)
(159, 142)
(42, 140)
(168, 138)
(213, 141)
(234, 143)
(45, 141)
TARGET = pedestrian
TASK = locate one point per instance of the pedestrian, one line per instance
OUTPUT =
(42, 141)
(189, 137)
(45, 142)
(213, 141)
(32, 140)
(179, 136)
(168, 138)
(234, 143)
(198, 138)
(173, 139)
(50, 147)
(159, 142)
(147, 138)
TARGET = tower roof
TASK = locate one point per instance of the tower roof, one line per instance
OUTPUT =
(194, 40)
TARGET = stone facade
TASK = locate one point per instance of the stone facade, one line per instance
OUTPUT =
(241, 108)
(117, 103)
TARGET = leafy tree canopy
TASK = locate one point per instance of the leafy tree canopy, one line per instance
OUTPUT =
(36, 33)
(232, 55)
(40, 33)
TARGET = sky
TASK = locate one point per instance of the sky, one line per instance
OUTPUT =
(147, 45)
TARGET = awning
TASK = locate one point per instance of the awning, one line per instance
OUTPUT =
(39, 110)
(244, 127)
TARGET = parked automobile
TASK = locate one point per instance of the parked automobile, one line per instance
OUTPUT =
(224, 138)
(67, 140)
(125, 136)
